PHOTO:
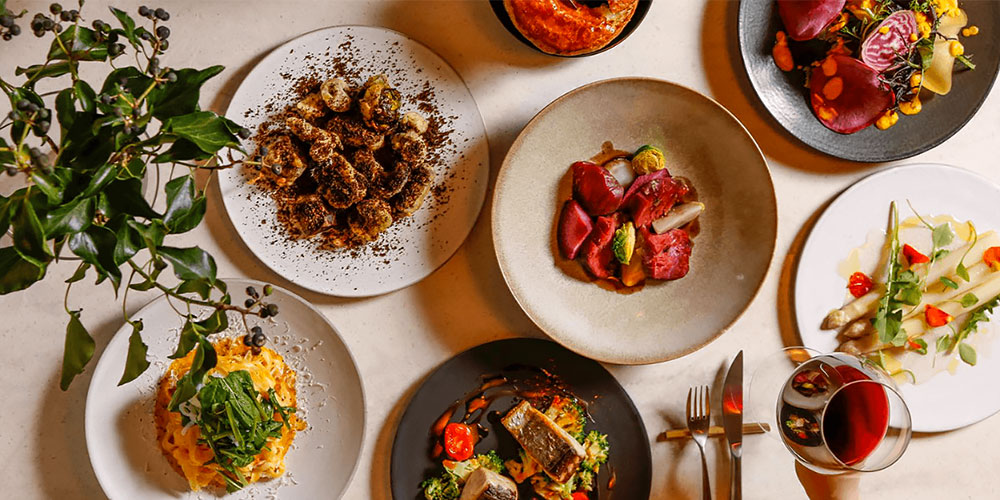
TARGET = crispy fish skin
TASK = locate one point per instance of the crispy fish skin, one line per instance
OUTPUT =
(484, 484)
(550, 445)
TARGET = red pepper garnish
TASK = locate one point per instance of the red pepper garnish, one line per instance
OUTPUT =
(859, 284)
(992, 258)
(459, 441)
(936, 317)
(913, 256)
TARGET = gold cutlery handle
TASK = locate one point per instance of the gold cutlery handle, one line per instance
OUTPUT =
(713, 431)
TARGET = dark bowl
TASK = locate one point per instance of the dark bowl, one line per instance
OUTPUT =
(607, 402)
(640, 13)
(785, 97)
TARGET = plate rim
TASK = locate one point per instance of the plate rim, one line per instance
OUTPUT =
(828, 213)
(282, 49)
(501, 173)
(239, 282)
(744, 8)
(454, 359)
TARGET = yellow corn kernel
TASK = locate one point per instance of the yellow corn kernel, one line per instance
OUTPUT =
(829, 66)
(911, 107)
(970, 31)
(887, 120)
(955, 48)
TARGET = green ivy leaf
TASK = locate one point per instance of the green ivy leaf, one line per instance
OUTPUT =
(16, 273)
(190, 263)
(187, 341)
(6, 207)
(72, 217)
(215, 322)
(49, 185)
(128, 25)
(129, 243)
(125, 197)
(65, 111)
(96, 246)
(134, 169)
(182, 150)
(85, 95)
(38, 71)
(104, 175)
(136, 362)
(152, 234)
(78, 350)
(180, 97)
(81, 43)
(29, 236)
(6, 156)
(81, 272)
(185, 208)
(199, 286)
(207, 130)
(967, 353)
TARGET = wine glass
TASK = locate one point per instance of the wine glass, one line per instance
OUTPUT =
(834, 412)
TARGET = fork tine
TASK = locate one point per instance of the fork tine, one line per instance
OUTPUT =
(689, 414)
(707, 404)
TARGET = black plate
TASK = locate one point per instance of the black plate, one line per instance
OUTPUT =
(640, 12)
(787, 100)
(612, 411)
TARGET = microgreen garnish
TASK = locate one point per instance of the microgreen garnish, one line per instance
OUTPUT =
(889, 316)
(957, 337)
(948, 282)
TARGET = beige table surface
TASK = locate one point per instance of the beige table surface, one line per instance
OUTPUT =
(399, 337)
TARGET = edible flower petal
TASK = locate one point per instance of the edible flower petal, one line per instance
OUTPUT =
(913, 256)
(992, 258)
(936, 317)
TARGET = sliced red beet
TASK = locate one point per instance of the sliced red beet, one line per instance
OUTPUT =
(666, 256)
(641, 182)
(595, 188)
(888, 50)
(597, 254)
(805, 19)
(574, 227)
(654, 199)
(847, 95)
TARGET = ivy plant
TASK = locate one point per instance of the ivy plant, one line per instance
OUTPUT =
(84, 151)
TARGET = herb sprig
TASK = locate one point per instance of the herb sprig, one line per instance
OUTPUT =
(946, 343)
(235, 421)
(84, 177)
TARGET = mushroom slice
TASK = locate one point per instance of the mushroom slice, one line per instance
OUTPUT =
(369, 218)
(339, 184)
(336, 94)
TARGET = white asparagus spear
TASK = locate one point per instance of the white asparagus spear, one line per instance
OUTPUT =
(978, 274)
(943, 267)
(916, 326)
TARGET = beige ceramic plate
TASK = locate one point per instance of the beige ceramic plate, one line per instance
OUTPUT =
(704, 143)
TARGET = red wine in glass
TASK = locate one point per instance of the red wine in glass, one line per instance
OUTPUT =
(856, 418)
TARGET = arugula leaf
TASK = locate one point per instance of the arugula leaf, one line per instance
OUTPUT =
(962, 272)
(945, 343)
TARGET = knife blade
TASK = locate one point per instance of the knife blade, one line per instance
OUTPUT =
(732, 422)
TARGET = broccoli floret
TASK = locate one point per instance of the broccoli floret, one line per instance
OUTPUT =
(443, 487)
(548, 489)
(568, 414)
(491, 461)
(596, 447)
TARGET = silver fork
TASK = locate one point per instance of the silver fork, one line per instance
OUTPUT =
(698, 412)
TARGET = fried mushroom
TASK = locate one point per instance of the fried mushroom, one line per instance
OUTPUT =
(410, 147)
(336, 94)
(339, 184)
(284, 161)
(304, 216)
(311, 107)
(369, 218)
(413, 194)
(413, 121)
(355, 134)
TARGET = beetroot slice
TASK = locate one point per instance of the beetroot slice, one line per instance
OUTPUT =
(654, 199)
(805, 19)
(597, 254)
(574, 227)
(667, 256)
(888, 50)
(595, 188)
(847, 95)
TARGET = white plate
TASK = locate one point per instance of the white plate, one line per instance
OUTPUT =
(945, 401)
(411, 249)
(121, 436)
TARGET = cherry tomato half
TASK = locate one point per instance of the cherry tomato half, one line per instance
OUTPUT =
(580, 495)
(459, 441)
(859, 284)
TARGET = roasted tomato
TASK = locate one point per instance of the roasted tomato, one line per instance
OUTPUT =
(860, 284)
(459, 441)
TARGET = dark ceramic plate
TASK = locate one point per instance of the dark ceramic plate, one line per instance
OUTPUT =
(787, 100)
(613, 414)
(637, 17)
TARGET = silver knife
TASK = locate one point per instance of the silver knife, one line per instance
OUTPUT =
(732, 422)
